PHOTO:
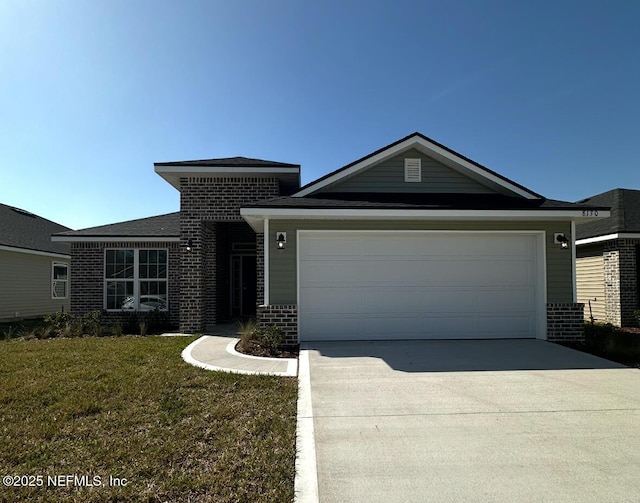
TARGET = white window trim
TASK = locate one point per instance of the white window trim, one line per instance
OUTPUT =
(53, 280)
(136, 279)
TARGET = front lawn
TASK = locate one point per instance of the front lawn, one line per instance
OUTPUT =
(107, 409)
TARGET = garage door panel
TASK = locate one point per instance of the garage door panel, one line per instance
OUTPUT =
(456, 300)
(503, 273)
(337, 328)
(334, 300)
(394, 300)
(435, 285)
(330, 272)
(320, 247)
(411, 327)
(508, 300)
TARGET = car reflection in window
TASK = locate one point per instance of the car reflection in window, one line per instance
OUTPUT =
(147, 303)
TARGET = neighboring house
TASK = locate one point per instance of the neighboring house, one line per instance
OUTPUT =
(34, 271)
(607, 264)
(411, 241)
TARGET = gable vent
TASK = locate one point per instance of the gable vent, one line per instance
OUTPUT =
(412, 170)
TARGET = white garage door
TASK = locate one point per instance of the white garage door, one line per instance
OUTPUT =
(418, 285)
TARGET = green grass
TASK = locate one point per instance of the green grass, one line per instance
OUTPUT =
(129, 407)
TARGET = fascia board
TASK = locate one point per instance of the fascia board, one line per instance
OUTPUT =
(222, 170)
(299, 213)
(34, 252)
(608, 237)
(115, 239)
(173, 175)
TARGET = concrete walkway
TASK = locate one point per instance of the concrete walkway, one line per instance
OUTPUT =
(216, 352)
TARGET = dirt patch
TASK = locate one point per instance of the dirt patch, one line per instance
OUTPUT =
(254, 349)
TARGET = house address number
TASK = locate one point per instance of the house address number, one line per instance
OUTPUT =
(589, 213)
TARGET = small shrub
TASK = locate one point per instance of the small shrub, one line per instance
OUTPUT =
(270, 338)
(10, 332)
(92, 322)
(636, 315)
(131, 323)
(117, 329)
(144, 327)
(45, 332)
(598, 337)
(59, 322)
(76, 329)
(157, 321)
(247, 330)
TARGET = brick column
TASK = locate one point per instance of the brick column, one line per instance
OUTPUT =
(191, 280)
(284, 316)
(565, 322)
(260, 268)
(209, 273)
(628, 281)
(205, 201)
(612, 283)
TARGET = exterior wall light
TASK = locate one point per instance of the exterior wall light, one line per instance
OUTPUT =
(190, 245)
(281, 240)
(561, 239)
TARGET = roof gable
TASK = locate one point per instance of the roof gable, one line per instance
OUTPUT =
(431, 150)
(21, 229)
(389, 176)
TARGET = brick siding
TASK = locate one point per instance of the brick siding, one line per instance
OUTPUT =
(260, 268)
(87, 277)
(204, 201)
(284, 316)
(620, 281)
(565, 322)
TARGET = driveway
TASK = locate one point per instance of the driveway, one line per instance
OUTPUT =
(485, 421)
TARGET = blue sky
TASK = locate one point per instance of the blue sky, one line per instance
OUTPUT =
(92, 93)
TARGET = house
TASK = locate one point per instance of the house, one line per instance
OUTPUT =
(607, 264)
(411, 241)
(34, 270)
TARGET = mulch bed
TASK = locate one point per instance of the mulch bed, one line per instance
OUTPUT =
(629, 330)
(254, 349)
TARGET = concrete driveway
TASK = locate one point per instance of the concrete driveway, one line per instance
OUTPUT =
(458, 421)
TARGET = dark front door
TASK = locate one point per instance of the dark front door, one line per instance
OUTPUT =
(243, 285)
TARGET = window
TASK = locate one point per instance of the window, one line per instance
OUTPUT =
(136, 280)
(59, 280)
(413, 170)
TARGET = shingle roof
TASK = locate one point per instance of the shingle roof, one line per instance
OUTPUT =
(625, 214)
(359, 200)
(21, 229)
(238, 162)
(159, 226)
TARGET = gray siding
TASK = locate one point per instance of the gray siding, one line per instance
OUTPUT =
(388, 176)
(283, 274)
(25, 289)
